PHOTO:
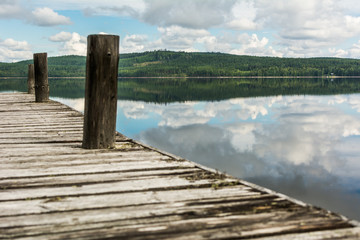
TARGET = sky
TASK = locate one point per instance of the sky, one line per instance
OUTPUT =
(281, 28)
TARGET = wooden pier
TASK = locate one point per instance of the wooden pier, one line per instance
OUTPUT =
(52, 188)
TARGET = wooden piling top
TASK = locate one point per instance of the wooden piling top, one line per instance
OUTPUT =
(52, 188)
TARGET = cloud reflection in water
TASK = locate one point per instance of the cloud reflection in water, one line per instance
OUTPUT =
(303, 146)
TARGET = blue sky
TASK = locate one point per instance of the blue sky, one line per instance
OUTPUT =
(283, 28)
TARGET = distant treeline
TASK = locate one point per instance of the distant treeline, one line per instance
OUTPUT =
(64, 66)
(181, 64)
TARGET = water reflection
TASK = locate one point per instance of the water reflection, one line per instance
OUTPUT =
(303, 146)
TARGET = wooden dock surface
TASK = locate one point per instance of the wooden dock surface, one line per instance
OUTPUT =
(51, 188)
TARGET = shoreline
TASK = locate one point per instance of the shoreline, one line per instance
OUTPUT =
(204, 77)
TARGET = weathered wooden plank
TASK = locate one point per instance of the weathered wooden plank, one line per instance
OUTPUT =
(29, 146)
(41, 121)
(74, 160)
(182, 198)
(85, 164)
(38, 127)
(31, 152)
(63, 154)
(159, 182)
(346, 234)
(15, 97)
(92, 168)
(21, 122)
(207, 225)
(80, 179)
(26, 128)
(17, 108)
(164, 212)
(42, 112)
(36, 140)
(32, 109)
(42, 134)
(42, 117)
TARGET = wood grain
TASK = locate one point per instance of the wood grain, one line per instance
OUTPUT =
(101, 91)
(41, 77)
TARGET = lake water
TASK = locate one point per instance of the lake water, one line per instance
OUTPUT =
(305, 146)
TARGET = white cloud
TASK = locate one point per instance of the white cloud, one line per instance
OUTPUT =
(308, 130)
(242, 16)
(75, 103)
(15, 45)
(77, 45)
(180, 38)
(47, 17)
(184, 114)
(72, 43)
(95, 6)
(340, 53)
(200, 14)
(42, 16)
(217, 44)
(111, 10)
(307, 28)
(12, 50)
(172, 38)
(191, 40)
(134, 43)
(350, 7)
(10, 9)
(252, 45)
(352, 52)
(186, 39)
(61, 37)
(243, 135)
(296, 28)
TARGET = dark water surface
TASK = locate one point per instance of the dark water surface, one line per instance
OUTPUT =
(298, 138)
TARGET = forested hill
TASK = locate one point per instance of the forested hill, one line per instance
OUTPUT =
(168, 63)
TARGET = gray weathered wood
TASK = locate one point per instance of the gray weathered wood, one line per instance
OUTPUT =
(41, 77)
(91, 168)
(101, 91)
(343, 234)
(31, 79)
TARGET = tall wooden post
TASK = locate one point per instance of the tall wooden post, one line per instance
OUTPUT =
(31, 79)
(101, 91)
(41, 77)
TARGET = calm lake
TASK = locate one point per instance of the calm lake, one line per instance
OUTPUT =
(300, 137)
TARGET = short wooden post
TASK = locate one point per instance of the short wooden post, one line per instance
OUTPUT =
(41, 77)
(101, 91)
(31, 79)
